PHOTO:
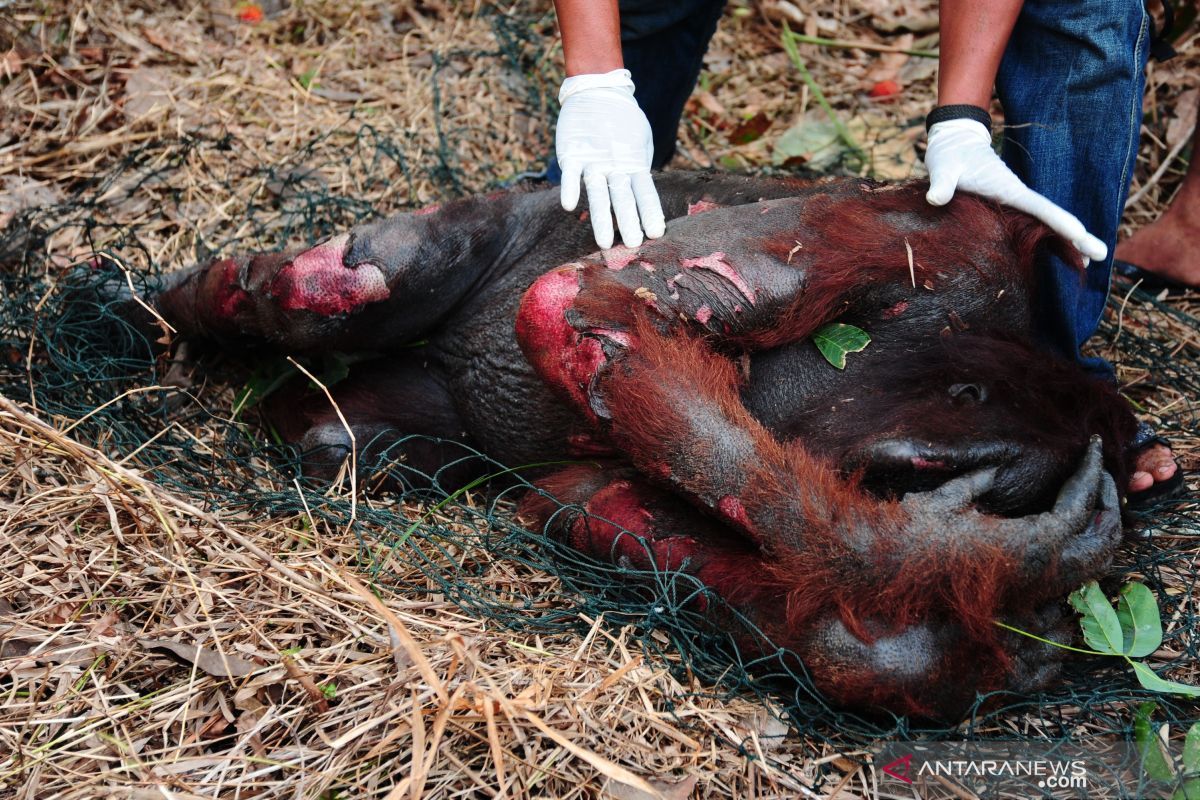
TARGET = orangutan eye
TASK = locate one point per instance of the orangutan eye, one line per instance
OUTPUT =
(968, 393)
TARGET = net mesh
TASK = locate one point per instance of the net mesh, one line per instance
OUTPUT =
(72, 357)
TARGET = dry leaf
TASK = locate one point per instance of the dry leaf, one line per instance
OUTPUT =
(785, 11)
(11, 63)
(708, 102)
(18, 192)
(888, 65)
(1184, 120)
(61, 613)
(889, 16)
(770, 729)
(148, 91)
(670, 790)
(15, 648)
(206, 659)
(104, 625)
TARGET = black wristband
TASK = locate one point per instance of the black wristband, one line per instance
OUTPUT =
(946, 113)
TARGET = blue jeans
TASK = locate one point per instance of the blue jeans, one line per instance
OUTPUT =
(1071, 85)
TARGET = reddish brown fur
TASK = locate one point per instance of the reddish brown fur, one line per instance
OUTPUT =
(859, 251)
(884, 583)
(643, 394)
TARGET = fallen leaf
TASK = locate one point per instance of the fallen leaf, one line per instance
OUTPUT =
(770, 728)
(751, 129)
(708, 102)
(11, 63)
(887, 66)
(61, 613)
(813, 142)
(889, 16)
(219, 665)
(104, 625)
(148, 91)
(1184, 120)
(668, 790)
(18, 192)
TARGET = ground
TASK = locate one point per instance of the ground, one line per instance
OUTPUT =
(245, 638)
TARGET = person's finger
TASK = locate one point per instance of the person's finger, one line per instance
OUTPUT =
(569, 195)
(1062, 222)
(598, 208)
(1092, 248)
(620, 193)
(648, 205)
(942, 184)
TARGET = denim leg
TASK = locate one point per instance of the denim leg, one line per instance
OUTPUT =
(663, 45)
(1071, 85)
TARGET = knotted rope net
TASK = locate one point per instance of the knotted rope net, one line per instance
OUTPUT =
(69, 356)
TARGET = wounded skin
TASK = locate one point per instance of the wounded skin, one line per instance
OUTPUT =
(873, 521)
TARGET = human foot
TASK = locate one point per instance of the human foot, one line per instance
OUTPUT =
(1156, 474)
(1166, 247)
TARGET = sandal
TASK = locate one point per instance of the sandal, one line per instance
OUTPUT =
(1146, 280)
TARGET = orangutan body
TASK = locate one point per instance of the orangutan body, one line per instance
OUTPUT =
(874, 520)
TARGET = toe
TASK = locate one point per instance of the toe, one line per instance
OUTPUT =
(1140, 481)
(1158, 462)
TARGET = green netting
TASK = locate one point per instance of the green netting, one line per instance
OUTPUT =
(73, 358)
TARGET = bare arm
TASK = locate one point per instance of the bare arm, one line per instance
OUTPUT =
(591, 34)
(974, 34)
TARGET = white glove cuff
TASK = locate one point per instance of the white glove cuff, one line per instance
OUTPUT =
(617, 79)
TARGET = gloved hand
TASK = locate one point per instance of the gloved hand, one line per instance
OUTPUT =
(604, 137)
(960, 156)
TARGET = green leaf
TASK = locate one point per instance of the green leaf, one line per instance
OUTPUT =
(267, 378)
(335, 368)
(1188, 790)
(1149, 680)
(1101, 627)
(1191, 750)
(1154, 760)
(813, 143)
(837, 339)
(1141, 624)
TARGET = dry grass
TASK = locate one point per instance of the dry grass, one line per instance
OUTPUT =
(155, 649)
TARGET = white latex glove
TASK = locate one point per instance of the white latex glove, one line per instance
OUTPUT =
(960, 156)
(603, 136)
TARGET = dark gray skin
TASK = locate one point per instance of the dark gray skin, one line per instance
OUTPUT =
(960, 451)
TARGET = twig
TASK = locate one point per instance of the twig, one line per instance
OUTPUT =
(349, 432)
(1162, 168)
(877, 48)
(912, 270)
